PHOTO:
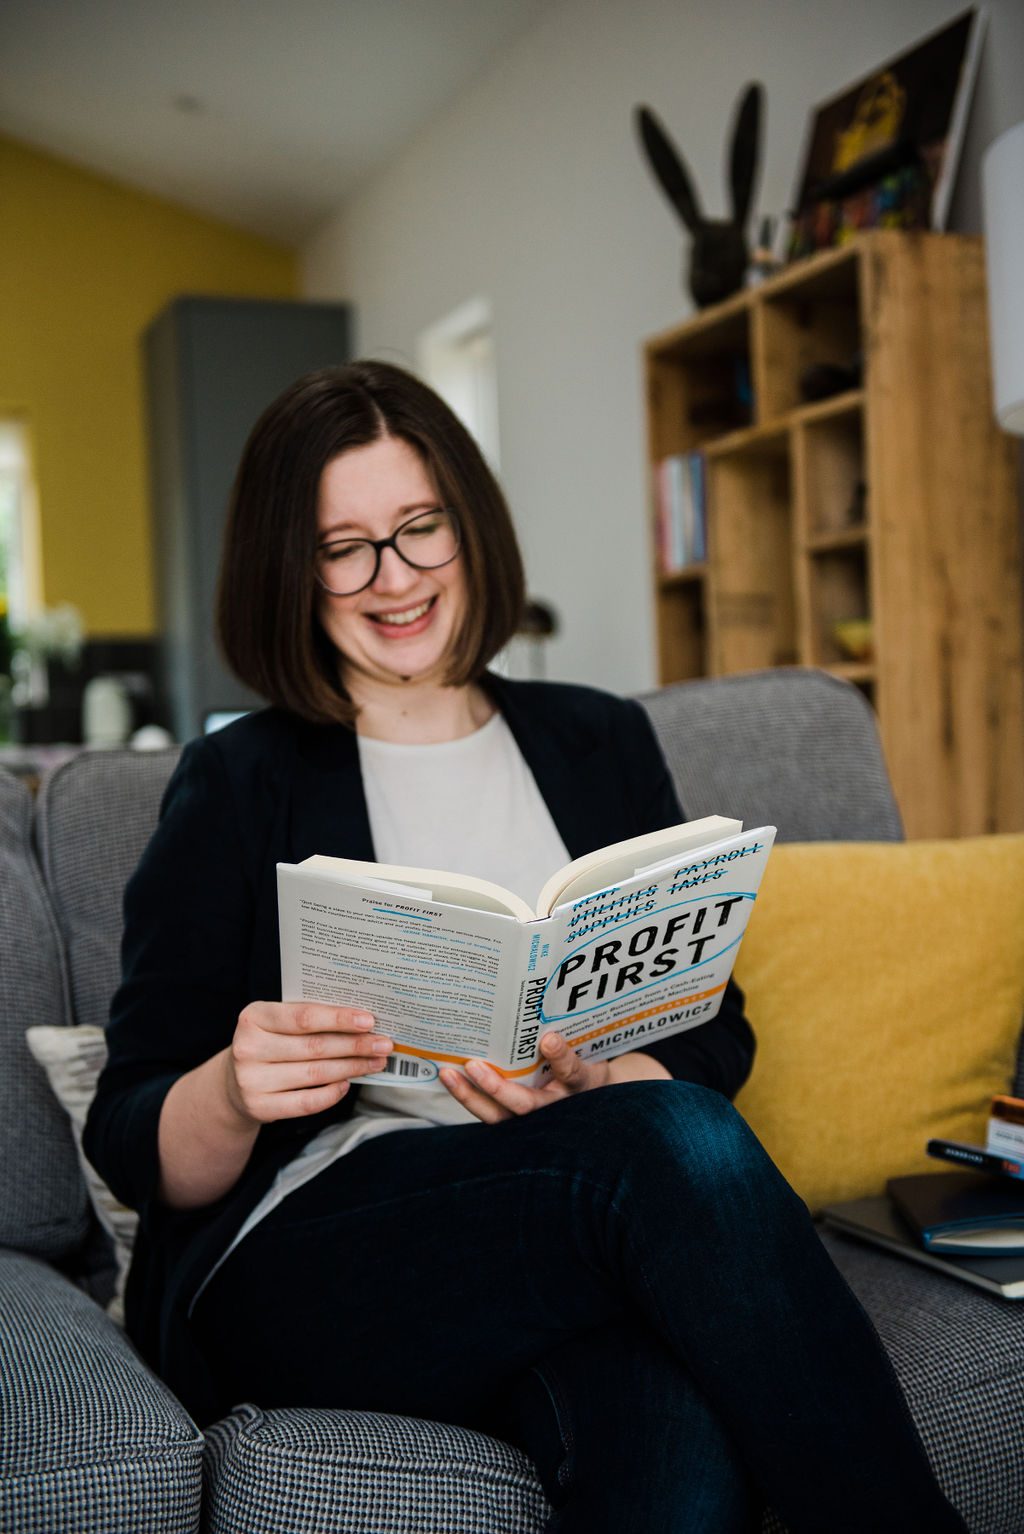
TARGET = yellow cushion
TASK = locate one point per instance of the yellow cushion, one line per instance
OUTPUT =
(885, 983)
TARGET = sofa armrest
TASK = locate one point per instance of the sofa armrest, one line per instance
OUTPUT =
(91, 1439)
(318, 1471)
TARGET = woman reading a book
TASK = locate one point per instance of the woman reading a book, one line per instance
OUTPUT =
(607, 1270)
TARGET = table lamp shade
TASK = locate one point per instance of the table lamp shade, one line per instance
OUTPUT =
(1003, 203)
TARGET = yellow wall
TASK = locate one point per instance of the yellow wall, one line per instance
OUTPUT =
(85, 264)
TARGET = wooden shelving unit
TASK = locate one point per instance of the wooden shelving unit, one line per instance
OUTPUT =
(894, 502)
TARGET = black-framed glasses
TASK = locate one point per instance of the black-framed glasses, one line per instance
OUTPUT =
(426, 542)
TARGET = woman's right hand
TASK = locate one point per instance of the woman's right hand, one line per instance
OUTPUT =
(289, 1059)
(286, 1060)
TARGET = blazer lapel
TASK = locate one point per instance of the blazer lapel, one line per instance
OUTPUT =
(328, 809)
(566, 762)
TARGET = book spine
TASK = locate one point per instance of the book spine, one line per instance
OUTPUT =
(684, 510)
(973, 1156)
(669, 547)
(661, 534)
(1009, 1108)
(680, 540)
(699, 498)
(1005, 1138)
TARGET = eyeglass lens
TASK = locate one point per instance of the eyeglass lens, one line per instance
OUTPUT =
(425, 542)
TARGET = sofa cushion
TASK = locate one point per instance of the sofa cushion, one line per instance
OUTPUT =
(885, 982)
(91, 1440)
(43, 1203)
(315, 1472)
(94, 816)
(959, 1356)
(72, 1059)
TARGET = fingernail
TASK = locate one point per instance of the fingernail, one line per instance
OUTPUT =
(362, 1019)
(476, 1069)
(381, 1046)
(550, 1042)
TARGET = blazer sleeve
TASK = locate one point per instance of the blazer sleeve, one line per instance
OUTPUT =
(720, 1053)
(188, 912)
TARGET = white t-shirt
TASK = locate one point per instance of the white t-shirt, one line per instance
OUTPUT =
(468, 806)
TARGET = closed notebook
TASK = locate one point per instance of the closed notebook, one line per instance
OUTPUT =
(967, 1212)
(876, 1221)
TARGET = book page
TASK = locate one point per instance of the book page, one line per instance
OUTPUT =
(440, 980)
(432, 883)
(610, 865)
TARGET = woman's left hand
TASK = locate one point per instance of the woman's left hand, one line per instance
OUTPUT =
(491, 1097)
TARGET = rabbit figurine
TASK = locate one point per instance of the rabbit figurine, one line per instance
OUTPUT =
(719, 254)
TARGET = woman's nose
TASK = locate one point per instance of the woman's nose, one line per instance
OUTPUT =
(394, 574)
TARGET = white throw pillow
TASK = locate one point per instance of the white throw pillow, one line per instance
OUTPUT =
(72, 1059)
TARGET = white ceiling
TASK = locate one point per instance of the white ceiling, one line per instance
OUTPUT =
(264, 113)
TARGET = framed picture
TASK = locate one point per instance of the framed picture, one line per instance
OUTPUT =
(883, 153)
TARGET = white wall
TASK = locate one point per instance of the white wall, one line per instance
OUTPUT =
(531, 191)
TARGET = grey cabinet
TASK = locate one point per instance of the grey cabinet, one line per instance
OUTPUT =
(212, 365)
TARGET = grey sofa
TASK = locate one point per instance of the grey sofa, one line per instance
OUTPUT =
(90, 1440)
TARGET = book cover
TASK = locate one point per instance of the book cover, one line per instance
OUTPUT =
(962, 1212)
(634, 942)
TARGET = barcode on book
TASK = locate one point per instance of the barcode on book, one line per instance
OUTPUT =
(407, 1069)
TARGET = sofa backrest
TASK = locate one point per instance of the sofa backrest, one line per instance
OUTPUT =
(794, 748)
(43, 1204)
(94, 816)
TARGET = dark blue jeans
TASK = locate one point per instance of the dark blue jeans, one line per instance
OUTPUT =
(622, 1284)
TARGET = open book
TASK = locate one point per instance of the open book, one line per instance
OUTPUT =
(628, 944)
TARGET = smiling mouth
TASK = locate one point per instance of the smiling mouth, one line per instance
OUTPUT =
(401, 619)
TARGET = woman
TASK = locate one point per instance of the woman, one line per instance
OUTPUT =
(610, 1272)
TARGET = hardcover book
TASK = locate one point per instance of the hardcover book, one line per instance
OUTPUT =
(964, 1212)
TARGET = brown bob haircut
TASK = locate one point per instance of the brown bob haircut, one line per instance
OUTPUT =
(267, 599)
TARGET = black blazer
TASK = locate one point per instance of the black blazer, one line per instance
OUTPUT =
(201, 941)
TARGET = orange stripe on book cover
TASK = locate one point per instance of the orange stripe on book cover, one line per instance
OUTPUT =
(1010, 1108)
(585, 1038)
(637, 1017)
(435, 1054)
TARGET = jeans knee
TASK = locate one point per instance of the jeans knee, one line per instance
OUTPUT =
(669, 1124)
(699, 1126)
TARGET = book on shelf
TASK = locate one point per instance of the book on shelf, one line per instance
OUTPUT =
(681, 511)
(697, 469)
(877, 1222)
(970, 1213)
(623, 946)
